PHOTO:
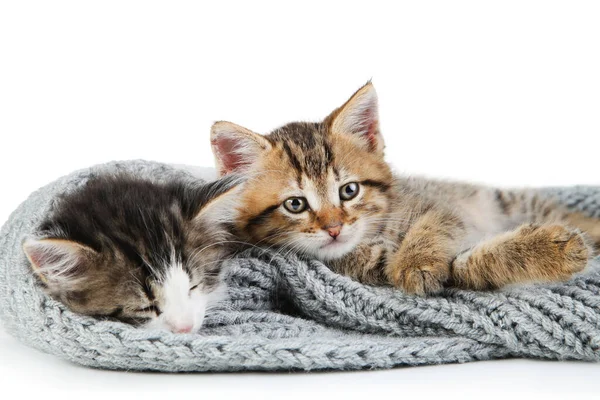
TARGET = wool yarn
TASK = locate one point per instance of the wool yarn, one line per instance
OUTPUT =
(288, 313)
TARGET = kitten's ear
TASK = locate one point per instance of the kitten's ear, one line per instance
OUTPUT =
(59, 263)
(236, 149)
(221, 199)
(359, 117)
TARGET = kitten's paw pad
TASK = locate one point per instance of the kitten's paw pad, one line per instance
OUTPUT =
(426, 279)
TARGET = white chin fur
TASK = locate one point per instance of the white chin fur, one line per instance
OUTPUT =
(325, 249)
(334, 250)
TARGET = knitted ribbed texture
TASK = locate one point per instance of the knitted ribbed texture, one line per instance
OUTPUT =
(292, 314)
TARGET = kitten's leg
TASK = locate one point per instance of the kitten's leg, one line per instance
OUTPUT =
(422, 263)
(550, 252)
(533, 207)
(364, 263)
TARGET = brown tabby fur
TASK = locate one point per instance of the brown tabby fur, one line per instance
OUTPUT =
(417, 234)
(108, 248)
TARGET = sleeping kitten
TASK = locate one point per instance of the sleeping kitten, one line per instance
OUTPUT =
(324, 189)
(141, 252)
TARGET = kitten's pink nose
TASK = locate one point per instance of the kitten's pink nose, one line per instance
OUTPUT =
(180, 327)
(183, 329)
(334, 231)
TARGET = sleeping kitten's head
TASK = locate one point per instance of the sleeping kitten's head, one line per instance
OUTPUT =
(317, 188)
(145, 253)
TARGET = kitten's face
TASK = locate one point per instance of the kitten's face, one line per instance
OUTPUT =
(143, 253)
(315, 188)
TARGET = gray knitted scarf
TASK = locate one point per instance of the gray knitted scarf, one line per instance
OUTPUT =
(293, 314)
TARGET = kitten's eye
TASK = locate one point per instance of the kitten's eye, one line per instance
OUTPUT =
(151, 308)
(349, 191)
(295, 204)
(194, 287)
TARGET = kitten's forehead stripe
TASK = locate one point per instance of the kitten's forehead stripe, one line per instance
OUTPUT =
(292, 157)
(307, 147)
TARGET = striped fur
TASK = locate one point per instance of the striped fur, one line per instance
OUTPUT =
(417, 234)
(143, 252)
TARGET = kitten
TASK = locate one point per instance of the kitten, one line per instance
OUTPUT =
(142, 252)
(324, 189)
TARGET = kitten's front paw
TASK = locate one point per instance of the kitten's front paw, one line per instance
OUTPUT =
(567, 248)
(421, 280)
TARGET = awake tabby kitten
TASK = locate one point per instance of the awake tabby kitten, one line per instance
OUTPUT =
(142, 252)
(324, 189)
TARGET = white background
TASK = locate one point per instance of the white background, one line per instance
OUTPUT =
(506, 93)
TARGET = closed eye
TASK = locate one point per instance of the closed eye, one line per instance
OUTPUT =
(135, 320)
(150, 308)
(194, 287)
